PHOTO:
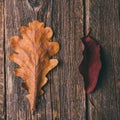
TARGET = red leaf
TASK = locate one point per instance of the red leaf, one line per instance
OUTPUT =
(91, 64)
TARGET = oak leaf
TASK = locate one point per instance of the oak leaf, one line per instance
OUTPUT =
(32, 52)
(91, 63)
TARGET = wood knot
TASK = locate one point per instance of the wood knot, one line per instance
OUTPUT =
(34, 3)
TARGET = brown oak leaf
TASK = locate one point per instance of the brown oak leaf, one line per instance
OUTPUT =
(32, 52)
(91, 64)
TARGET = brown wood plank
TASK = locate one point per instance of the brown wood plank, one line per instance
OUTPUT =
(1, 60)
(104, 18)
(68, 97)
(64, 98)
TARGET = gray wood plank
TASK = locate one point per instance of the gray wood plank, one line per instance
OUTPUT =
(2, 61)
(103, 16)
(64, 98)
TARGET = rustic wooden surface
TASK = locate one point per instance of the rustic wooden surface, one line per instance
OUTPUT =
(64, 97)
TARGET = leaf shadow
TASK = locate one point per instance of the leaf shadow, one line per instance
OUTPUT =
(40, 103)
(102, 71)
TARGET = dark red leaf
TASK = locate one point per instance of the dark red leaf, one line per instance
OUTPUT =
(91, 64)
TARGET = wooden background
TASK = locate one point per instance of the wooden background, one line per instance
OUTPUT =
(65, 98)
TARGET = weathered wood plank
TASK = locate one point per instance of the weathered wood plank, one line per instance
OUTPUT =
(64, 98)
(68, 97)
(2, 60)
(103, 18)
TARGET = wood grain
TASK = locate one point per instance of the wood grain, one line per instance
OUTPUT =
(103, 16)
(67, 83)
(2, 61)
(64, 98)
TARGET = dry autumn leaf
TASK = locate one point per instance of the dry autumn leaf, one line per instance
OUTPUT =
(91, 64)
(33, 51)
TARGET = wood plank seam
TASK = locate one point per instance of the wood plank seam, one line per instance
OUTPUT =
(4, 48)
